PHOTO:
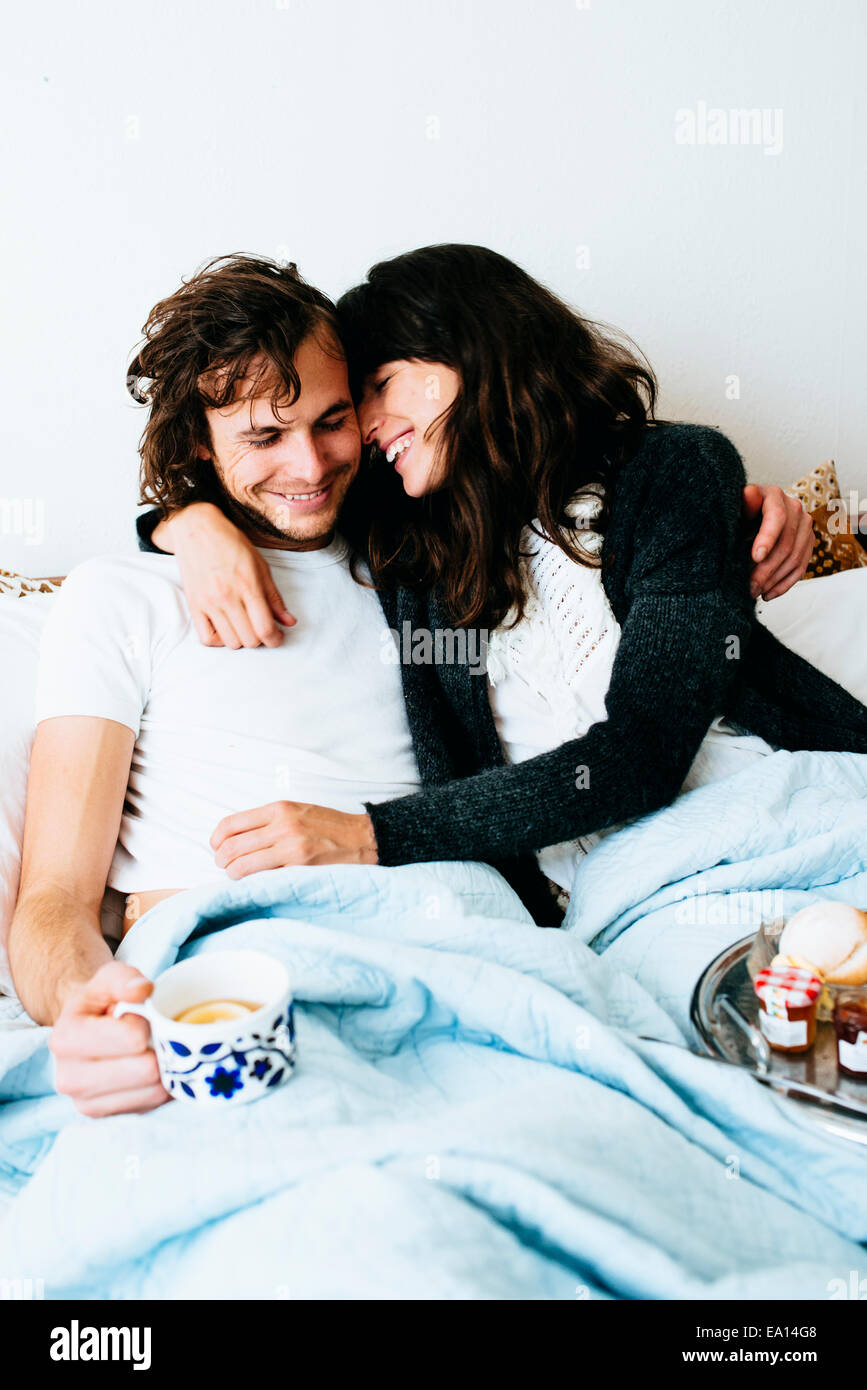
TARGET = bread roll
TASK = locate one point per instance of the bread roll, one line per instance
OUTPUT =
(833, 938)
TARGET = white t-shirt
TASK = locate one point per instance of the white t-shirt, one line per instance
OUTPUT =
(320, 718)
(549, 675)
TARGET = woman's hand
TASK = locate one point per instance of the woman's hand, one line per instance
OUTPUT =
(784, 543)
(232, 597)
(291, 832)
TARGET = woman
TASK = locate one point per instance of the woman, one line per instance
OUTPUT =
(520, 485)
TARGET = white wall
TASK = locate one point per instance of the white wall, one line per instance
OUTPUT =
(141, 138)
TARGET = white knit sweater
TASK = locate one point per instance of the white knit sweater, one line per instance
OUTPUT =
(549, 674)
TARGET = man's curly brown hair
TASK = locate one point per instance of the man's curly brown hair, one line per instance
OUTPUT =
(238, 317)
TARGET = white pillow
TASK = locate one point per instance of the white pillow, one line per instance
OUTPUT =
(21, 622)
(824, 620)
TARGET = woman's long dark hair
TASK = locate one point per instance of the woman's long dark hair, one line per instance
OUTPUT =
(549, 405)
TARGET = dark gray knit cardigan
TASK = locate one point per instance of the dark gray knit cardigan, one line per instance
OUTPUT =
(675, 566)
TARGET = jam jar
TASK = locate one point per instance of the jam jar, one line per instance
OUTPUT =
(787, 1007)
(850, 1025)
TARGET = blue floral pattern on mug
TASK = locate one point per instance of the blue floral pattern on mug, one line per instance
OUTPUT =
(251, 1063)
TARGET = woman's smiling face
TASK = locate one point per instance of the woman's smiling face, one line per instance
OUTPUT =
(400, 403)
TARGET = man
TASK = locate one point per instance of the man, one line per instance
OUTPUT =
(147, 738)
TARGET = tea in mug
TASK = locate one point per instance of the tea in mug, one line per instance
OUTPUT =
(216, 1011)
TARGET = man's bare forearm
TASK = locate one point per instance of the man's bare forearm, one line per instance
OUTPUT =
(55, 943)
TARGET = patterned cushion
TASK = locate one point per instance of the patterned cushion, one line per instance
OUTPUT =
(18, 586)
(835, 546)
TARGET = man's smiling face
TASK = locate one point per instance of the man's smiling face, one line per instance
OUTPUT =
(286, 472)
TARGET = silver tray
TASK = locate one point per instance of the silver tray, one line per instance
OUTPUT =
(724, 1013)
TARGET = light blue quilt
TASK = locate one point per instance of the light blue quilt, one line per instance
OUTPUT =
(482, 1108)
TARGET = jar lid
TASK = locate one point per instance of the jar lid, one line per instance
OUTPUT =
(798, 987)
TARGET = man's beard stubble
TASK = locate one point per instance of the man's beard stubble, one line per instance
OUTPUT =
(261, 529)
(256, 524)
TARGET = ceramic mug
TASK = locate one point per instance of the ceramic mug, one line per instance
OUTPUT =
(233, 1060)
